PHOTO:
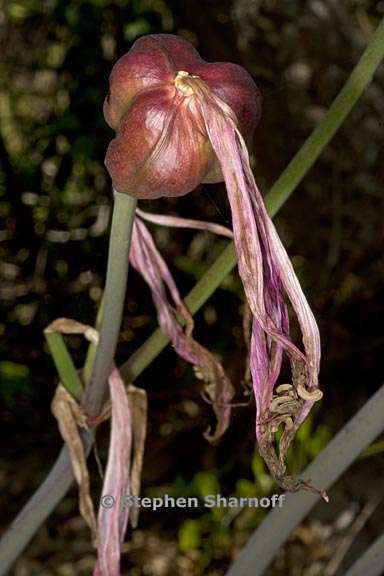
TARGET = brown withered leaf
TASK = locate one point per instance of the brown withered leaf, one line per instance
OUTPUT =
(69, 416)
(70, 326)
(139, 407)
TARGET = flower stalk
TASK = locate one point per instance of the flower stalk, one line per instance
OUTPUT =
(113, 302)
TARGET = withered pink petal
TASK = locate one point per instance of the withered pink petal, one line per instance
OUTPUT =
(177, 222)
(268, 278)
(146, 259)
(263, 262)
(112, 521)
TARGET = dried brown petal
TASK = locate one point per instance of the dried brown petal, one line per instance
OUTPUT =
(139, 407)
(69, 416)
(70, 326)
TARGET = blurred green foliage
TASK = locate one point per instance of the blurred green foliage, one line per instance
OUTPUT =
(15, 380)
(213, 532)
(209, 533)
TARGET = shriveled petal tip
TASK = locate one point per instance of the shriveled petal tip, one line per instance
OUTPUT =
(146, 259)
(269, 280)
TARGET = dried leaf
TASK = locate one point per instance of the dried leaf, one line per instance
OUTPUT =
(139, 407)
(70, 326)
(69, 415)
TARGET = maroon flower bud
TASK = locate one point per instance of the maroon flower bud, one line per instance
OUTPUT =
(162, 147)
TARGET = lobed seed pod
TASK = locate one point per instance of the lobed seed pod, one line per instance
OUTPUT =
(161, 146)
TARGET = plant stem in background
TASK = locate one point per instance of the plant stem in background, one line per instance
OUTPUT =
(113, 302)
(40, 505)
(371, 563)
(59, 479)
(340, 453)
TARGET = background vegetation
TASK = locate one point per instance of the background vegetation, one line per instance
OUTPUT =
(55, 57)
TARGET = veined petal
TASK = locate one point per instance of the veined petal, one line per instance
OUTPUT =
(112, 522)
(177, 222)
(268, 277)
(146, 259)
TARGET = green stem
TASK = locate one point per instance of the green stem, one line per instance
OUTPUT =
(60, 477)
(371, 563)
(329, 465)
(68, 374)
(113, 302)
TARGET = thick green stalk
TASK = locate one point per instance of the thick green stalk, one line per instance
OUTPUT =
(113, 301)
(59, 479)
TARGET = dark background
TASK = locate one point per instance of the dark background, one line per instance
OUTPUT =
(55, 199)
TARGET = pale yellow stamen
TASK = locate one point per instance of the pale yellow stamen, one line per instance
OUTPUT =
(183, 82)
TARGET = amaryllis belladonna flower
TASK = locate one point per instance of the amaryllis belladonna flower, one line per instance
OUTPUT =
(180, 122)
